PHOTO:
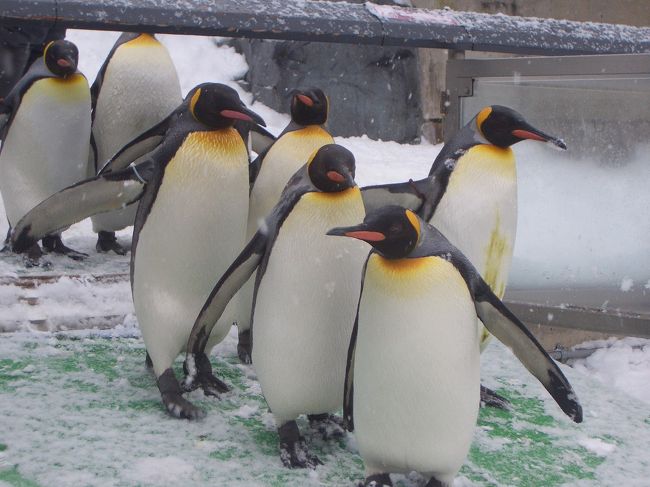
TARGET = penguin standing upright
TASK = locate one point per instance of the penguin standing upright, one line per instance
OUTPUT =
(195, 182)
(470, 195)
(269, 174)
(412, 376)
(46, 137)
(306, 291)
(136, 88)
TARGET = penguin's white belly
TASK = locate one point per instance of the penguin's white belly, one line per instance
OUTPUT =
(140, 88)
(47, 146)
(305, 307)
(416, 368)
(478, 212)
(195, 229)
(287, 155)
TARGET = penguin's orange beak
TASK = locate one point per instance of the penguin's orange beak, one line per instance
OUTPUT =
(64, 63)
(358, 232)
(305, 100)
(335, 176)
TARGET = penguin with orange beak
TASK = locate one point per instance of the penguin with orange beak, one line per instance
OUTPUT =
(306, 291)
(190, 224)
(269, 174)
(45, 128)
(470, 195)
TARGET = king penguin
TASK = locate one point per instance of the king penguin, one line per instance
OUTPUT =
(136, 88)
(46, 137)
(305, 295)
(269, 174)
(412, 375)
(194, 182)
(470, 195)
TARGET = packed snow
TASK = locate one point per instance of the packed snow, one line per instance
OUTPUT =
(80, 409)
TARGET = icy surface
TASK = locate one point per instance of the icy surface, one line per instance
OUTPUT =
(80, 409)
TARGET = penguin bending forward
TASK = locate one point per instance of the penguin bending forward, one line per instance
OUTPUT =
(470, 195)
(46, 137)
(305, 296)
(136, 88)
(269, 174)
(412, 376)
(194, 182)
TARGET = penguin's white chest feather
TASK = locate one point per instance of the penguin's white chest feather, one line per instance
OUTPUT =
(47, 145)
(286, 156)
(139, 89)
(478, 212)
(306, 304)
(194, 230)
(416, 367)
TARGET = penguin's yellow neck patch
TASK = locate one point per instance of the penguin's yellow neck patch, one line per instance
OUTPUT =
(143, 40)
(414, 221)
(483, 160)
(481, 117)
(221, 146)
(193, 101)
(325, 198)
(313, 131)
(412, 277)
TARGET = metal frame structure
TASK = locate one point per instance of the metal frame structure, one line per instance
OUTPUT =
(342, 22)
(461, 74)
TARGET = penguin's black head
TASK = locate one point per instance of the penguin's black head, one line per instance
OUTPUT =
(61, 57)
(218, 106)
(503, 127)
(393, 231)
(309, 107)
(331, 168)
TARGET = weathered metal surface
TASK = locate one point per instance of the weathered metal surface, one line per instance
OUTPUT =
(341, 22)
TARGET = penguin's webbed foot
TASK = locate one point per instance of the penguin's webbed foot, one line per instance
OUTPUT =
(492, 399)
(244, 347)
(107, 241)
(328, 425)
(203, 377)
(172, 397)
(377, 480)
(32, 258)
(54, 244)
(293, 448)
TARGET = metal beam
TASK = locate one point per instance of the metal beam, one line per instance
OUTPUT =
(341, 22)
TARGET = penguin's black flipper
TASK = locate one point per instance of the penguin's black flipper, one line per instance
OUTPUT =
(504, 325)
(232, 280)
(81, 200)
(348, 385)
(141, 145)
(420, 196)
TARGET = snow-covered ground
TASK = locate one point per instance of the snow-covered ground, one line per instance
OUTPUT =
(71, 419)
